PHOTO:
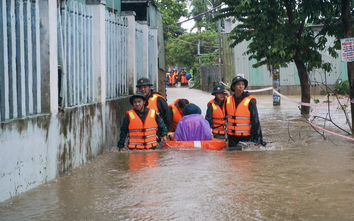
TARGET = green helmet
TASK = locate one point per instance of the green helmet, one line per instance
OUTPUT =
(237, 79)
(138, 95)
(143, 81)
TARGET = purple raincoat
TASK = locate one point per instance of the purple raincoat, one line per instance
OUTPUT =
(193, 127)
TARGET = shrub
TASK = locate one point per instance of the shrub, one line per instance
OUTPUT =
(341, 87)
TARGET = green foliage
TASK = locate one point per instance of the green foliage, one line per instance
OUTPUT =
(196, 81)
(342, 87)
(342, 107)
(202, 19)
(172, 11)
(183, 51)
(279, 31)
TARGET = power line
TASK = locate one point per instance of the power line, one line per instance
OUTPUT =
(207, 44)
(194, 16)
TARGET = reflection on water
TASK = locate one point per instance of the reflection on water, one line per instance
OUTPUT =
(295, 184)
(300, 176)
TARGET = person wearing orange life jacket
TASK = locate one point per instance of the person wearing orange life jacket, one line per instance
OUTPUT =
(167, 79)
(184, 80)
(171, 79)
(177, 112)
(140, 125)
(156, 100)
(242, 115)
(176, 76)
(215, 113)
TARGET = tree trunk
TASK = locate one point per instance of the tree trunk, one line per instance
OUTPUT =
(348, 28)
(305, 87)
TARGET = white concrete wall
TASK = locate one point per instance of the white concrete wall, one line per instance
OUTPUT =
(38, 149)
(42, 147)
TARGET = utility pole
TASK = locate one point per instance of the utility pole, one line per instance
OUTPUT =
(219, 45)
(219, 38)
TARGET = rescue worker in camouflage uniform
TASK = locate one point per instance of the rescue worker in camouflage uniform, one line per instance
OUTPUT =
(156, 100)
(140, 125)
(242, 115)
(215, 113)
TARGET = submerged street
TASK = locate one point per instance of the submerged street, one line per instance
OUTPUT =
(300, 175)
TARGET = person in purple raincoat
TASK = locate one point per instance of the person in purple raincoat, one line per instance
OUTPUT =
(192, 126)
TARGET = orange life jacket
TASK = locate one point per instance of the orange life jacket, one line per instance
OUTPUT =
(153, 102)
(184, 79)
(218, 118)
(238, 119)
(176, 115)
(176, 75)
(142, 135)
(171, 79)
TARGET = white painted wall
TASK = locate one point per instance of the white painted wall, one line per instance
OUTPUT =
(40, 148)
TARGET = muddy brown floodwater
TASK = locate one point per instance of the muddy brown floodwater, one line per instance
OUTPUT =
(301, 175)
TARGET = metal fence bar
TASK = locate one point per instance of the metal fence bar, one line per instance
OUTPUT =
(36, 58)
(85, 48)
(116, 54)
(70, 58)
(120, 56)
(125, 52)
(28, 56)
(4, 78)
(77, 54)
(20, 81)
(90, 56)
(20, 60)
(80, 55)
(11, 24)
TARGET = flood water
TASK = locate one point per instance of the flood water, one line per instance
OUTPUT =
(300, 175)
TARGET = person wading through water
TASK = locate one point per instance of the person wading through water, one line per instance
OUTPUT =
(177, 112)
(215, 113)
(141, 125)
(242, 115)
(156, 100)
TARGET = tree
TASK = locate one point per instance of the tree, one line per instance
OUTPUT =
(172, 11)
(183, 51)
(199, 7)
(279, 35)
(339, 24)
(203, 12)
(347, 20)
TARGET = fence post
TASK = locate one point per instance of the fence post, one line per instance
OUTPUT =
(49, 56)
(131, 65)
(154, 55)
(145, 49)
(99, 50)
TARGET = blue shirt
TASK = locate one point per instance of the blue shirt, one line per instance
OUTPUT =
(193, 127)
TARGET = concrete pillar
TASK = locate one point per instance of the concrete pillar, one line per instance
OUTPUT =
(153, 31)
(99, 49)
(145, 50)
(131, 50)
(49, 56)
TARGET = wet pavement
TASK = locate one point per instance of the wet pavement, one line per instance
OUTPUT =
(302, 174)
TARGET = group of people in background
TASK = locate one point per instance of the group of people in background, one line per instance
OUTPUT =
(174, 77)
(152, 121)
